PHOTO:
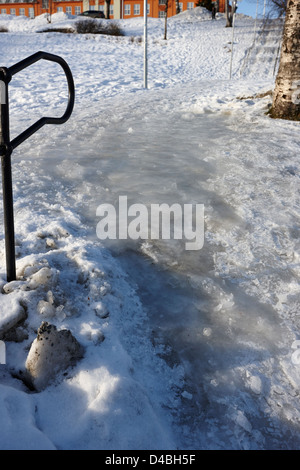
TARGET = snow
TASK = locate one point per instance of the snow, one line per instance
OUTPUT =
(182, 350)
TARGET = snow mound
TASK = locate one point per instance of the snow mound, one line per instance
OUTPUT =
(17, 24)
(196, 14)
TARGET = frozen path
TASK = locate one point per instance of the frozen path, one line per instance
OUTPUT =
(227, 313)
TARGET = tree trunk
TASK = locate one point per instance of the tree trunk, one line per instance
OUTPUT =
(107, 7)
(166, 19)
(286, 100)
(228, 15)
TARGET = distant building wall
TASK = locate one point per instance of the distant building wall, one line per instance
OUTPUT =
(118, 8)
(19, 9)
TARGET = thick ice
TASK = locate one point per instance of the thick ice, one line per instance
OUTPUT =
(216, 309)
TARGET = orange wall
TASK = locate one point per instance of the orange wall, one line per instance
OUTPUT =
(38, 10)
(222, 6)
(16, 7)
(155, 8)
(65, 4)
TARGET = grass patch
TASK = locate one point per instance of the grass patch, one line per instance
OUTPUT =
(137, 39)
(93, 26)
(89, 26)
(58, 30)
(256, 96)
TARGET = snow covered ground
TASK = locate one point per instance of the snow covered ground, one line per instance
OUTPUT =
(184, 350)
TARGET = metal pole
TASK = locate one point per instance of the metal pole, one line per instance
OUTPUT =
(233, 21)
(5, 152)
(8, 217)
(256, 13)
(145, 47)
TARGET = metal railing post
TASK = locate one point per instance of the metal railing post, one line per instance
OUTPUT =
(7, 146)
(5, 152)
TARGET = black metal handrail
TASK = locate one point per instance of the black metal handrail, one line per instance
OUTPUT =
(7, 146)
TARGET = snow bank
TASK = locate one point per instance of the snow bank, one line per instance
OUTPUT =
(24, 24)
(196, 14)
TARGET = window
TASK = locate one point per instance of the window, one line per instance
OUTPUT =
(190, 5)
(101, 8)
(69, 10)
(148, 8)
(136, 9)
(181, 6)
(161, 14)
(77, 10)
(111, 10)
(22, 11)
(161, 2)
(12, 11)
(45, 4)
(92, 7)
(59, 9)
(31, 12)
(126, 9)
(3, 11)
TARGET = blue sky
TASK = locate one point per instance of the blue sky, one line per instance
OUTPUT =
(248, 7)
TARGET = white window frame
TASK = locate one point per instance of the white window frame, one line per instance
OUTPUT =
(127, 9)
(3, 11)
(69, 10)
(111, 10)
(60, 9)
(137, 9)
(77, 10)
(190, 5)
(22, 11)
(12, 11)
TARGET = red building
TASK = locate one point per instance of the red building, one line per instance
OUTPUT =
(118, 8)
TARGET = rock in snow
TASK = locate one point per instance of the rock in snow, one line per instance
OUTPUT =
(53, 351)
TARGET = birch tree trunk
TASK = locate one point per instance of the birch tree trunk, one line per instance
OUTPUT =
(107, 8)
(286, 99)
